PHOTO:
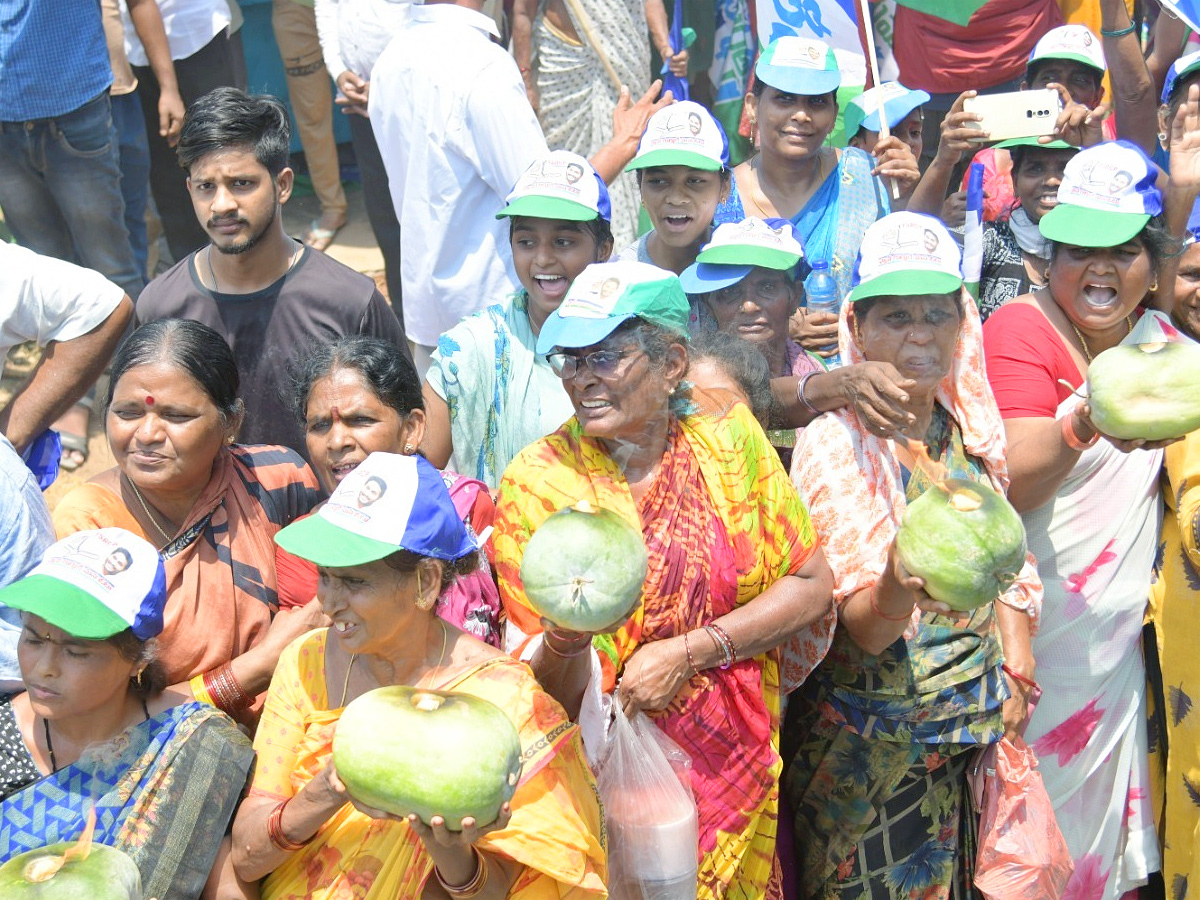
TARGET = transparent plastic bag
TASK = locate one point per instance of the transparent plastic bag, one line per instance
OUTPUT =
(1022, 854)
(649, 812)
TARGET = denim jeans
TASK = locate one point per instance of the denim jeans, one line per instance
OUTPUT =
(134, 154)
(60, 189)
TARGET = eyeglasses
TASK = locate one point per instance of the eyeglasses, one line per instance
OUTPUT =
(602, 363)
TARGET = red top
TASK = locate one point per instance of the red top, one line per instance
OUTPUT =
(943, 58)
(1025, 358)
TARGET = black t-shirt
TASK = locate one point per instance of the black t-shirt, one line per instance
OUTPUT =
(318, 300)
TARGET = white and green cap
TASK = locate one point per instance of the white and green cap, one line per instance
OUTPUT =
(799, 65)
(1073, 42)
(389, 502)
(94, 584)
(906, 253)
(1107, 195)
(683, 134)
(607, 294)
(736, 248)
(895, 100)
(560, 185)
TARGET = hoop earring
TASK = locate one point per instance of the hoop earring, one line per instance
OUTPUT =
(138, 679)
(421, 603)
(1154, 287)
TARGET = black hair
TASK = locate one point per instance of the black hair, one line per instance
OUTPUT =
(742, 362)
(385, 368)
(225, 118)
(406, 561)
(191, 346)
(1020, 153)
(599, 228)
(726, 174)
(1031, 71)
(863, 307)
(1155, 237)
(759, 88)
(153, 680)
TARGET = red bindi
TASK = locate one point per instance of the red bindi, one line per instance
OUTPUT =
(149, 400)
(334, 411)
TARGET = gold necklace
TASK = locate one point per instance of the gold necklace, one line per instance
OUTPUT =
(433, 671)
(146, 509)
(1083, 342)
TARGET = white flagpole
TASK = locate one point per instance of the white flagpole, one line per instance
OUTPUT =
(864, 15)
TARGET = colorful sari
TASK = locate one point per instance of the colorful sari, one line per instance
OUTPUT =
(877, 746)
(221, 567)
(164, 791)
(721, 524)
(555, 833)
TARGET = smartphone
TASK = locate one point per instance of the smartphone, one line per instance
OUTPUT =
(1016, 114)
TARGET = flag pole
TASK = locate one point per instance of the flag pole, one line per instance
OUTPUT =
(864, 14)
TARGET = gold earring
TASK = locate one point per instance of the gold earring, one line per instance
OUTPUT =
(1046, 274)
(138, 679)
(1154, 287)
(408, 449)
(421, 603)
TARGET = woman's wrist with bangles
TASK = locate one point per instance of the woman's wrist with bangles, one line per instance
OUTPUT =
(465, 890)
(566, 647)
(1071, 433)
(219, 687)
(276, 833)
(709, 647)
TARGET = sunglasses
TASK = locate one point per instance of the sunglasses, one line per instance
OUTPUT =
(602, 363)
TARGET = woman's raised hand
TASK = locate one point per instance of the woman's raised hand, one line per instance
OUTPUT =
(894, 159)
(958, 137)
(1076, 123)
(1185, 143)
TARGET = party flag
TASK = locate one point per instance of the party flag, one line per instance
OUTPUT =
(957, 11)
(1188, 10)
(973, 231)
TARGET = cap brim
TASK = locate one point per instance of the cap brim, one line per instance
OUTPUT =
(549, 208)
(1034, 142)
(669, 157)
(1073, 57)
(704, 277)
(906, 284)
(1172, 83)
(64, 606)
(900, 107)
(576, 331)
(804, 82)
(1085, 227)
(742, 255)
(318, 540)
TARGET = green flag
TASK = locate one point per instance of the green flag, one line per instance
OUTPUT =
(957, 11)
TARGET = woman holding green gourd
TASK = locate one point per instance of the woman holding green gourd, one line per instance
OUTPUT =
(877, 740)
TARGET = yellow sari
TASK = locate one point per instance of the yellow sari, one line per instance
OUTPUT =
(555, 832)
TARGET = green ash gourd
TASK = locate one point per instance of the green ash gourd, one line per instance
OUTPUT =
(1149, 391)
(434, 753)
(583, 569)
(966, 542)
(66, 872)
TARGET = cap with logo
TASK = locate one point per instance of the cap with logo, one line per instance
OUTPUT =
(607, 294)
(389, 502)
(736, 248)
(906, 253)
(94, 584)
(683, 134)
(560, 185)
(896, 100)
(1106, 197)
(1073, 42)
(798, 65)
(1180, 69)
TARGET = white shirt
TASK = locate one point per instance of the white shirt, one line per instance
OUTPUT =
(456, 131)
(190, 25)
(354, 32)
(44, 299)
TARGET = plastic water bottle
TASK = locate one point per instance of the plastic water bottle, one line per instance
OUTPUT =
(822, 296)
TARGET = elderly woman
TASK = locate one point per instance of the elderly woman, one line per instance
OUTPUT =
(734, 568)
(359, 395)
(1090, 506)
(830, 194)
(382, 567)
(487, 394)
(878, 739)
(95, 726)
(208, 505)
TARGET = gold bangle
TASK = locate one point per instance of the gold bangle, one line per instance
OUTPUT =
(472, 888)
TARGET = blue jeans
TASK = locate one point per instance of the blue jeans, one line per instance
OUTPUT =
(60, 189)
(134, 153)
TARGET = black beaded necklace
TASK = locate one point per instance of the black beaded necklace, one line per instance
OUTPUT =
(50, 743)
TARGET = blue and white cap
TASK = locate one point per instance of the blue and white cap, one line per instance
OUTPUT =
(895, 99)
(799, 65)
(560, 185)
(737, 248)
(94, 584)
(389, 502)
(1180, 69)
(906, 254)
(1106, 197)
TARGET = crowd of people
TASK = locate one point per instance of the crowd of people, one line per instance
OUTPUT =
(319, 490)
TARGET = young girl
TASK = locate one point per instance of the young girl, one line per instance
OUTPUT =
(487, 394)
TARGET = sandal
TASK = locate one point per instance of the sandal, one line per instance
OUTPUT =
(319, 238)
(74, 451)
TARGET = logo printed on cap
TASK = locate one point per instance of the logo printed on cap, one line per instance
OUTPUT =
(799, 52)
(356, 503)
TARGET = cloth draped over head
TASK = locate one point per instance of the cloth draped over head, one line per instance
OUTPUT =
(850, 478)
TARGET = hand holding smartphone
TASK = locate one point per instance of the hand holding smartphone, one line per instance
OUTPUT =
(1016, 114)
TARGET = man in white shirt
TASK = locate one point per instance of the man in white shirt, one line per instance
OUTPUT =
(76, 315)
(455, 128)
